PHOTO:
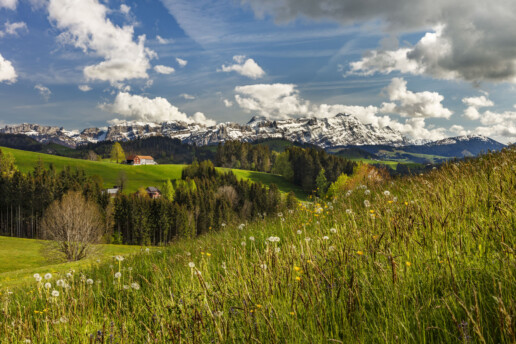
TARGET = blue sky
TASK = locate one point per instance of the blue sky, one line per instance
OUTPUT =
(428, 69)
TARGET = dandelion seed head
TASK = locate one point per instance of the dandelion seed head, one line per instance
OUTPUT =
(386, 193)
(60, 283)
(118, 275)
(48, 276)
(135, 286)
(333, 230)
(89, 281)
(243, 243)
(263, 266)
(119, 258)
(126, 287)
(367, 192)
(251, 238)
(326, 237)
(299, 232)
(191, 265)
(55, 293)
(367, 204)
(48, 285)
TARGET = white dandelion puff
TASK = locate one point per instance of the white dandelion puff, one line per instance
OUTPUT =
(191, 264)
(89, 281)
(55, 293)
(251, 238)
(118, 275)
(349, 211)
(135, 286)
(386, 193)
(243, 243)
(366, 203)
(48, 285)
(119, 258)
(299, 232)
(263, 266)
(367, 192)
(326, 237)
(333, 230)
(48, 276)
(60, 283)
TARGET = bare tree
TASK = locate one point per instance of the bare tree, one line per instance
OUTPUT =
(72, 225)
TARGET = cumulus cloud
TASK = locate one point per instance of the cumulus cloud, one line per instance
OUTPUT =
(85, 25)
(139, 108)
(462, 42)
(43, 91)
(13, 28)
(164, 69)
(413, 104)
(125, 9)
(9, 4)
(277, 101)
(181, 62)
(474, 103)
(7, 72)
(228, 103)
(248, 68)
(85, 88)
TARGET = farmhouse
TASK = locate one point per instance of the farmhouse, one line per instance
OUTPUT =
(153, 192)
(140, 160)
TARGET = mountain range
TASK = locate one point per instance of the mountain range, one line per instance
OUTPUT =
(342, 130)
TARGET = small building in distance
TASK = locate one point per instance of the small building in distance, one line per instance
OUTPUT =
(140, 160)
(153, 192)
(111, 192)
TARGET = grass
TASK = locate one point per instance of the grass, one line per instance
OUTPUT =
(427, 259)
(137, 176)
(21, 258)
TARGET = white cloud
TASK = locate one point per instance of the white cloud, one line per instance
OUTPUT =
(228, 103)
(276, 101)
(7, 72)
(9, 4)
(181, 62)
(248, 68)
(162, 40)
(125, 9)
(413, 104)
(85, 88)
(474, 103)
(13, 28)
(43, 91)
(385, 62)
(164, 69)
(187, 96)
(86, 26)
(139, 108)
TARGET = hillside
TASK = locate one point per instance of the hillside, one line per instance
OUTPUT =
(420, 259)
(137, 176)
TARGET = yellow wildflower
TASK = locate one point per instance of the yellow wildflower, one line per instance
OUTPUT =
(360, 253)
(408, 263)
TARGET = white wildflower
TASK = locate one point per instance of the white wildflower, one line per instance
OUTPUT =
(89, 281)
(135, 286)
(118, 275)
(367, 192)
(333, 230)
(60, 283)
(386, 193)
(119, 258)
(326, 237)
(241, 226)
(299, 232)
(191, 264)
(243, 243)
(147, 250)
(48, 285)
(36, 276)
(55, 293)
(251, 238)
(48, 276)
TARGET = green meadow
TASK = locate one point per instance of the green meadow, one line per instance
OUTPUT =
(137, 176)
(420, 259)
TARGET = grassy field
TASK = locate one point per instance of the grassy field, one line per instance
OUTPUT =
(21, 258)
(137, 176)
(422, 259)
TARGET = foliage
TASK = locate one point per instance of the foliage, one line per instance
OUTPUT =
(428, 259)
(243, 155)
(7, 166)
(117, 153)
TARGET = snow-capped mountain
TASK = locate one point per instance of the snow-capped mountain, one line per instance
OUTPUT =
(340, 130)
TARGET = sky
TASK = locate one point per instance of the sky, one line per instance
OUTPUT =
(428, 68)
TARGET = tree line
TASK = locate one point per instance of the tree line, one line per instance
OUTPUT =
(203, 200)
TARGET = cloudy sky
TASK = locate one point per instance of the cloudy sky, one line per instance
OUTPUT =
(429, 68)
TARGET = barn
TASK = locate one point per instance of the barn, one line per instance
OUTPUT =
(140, 160)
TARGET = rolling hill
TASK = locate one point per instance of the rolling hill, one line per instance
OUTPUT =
(137, 176)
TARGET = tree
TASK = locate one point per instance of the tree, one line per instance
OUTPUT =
(283, 167)
(167, 190)
(92, 156)
(117, 153)
(322, 183)
(121, 180)
(7, 166)
(73, 226)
